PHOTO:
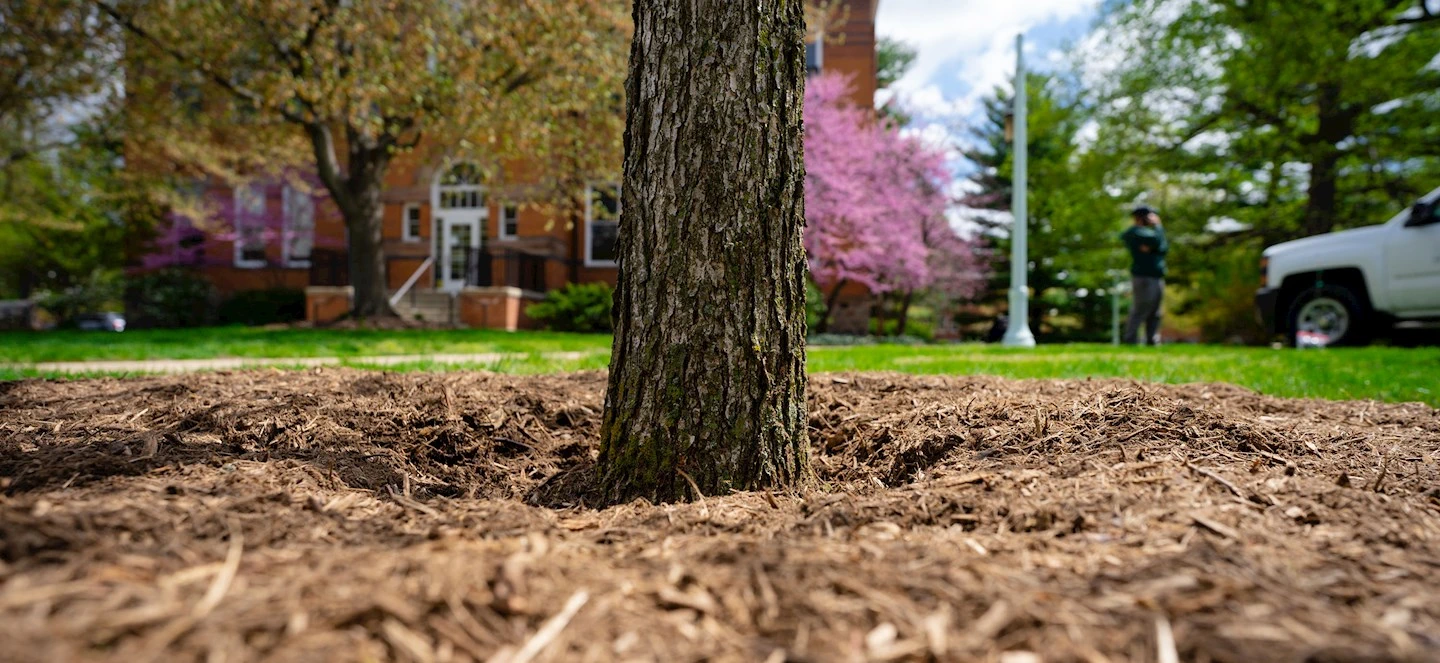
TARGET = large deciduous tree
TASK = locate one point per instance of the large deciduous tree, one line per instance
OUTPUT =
(1303, 117)
(1262, 121)
(343, 87)
(64, 194)
(707, 377)
(56, 57)
(875, 204)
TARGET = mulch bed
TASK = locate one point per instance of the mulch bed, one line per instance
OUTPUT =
(352, 515)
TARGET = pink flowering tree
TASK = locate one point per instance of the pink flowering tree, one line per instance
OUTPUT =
(875, 207)
(218, 214)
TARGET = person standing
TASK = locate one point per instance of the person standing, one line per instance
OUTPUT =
(1146, 242)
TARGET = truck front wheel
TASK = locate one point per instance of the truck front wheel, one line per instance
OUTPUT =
(1331, 312)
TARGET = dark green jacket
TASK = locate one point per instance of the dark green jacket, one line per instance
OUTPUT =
(1146, 263)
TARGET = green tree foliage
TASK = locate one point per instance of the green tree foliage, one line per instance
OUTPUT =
(1075, 212)
(343, 88)
(65, 217)
(1277, 119)
(56, 56)
(1309, 116)
(893, 58)
(52, 175)
(71, 212)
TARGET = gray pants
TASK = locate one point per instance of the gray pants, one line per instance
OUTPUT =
(1148, 293)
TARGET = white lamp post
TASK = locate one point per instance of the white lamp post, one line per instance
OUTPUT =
(1018, 334)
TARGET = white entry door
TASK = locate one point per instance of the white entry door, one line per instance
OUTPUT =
(460, 241)
(460, 206)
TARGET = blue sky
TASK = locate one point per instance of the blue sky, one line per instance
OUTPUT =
(967, 47)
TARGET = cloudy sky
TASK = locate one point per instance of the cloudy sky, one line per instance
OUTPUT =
(967, 47)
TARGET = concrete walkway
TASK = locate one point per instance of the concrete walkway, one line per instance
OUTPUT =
(235, 363)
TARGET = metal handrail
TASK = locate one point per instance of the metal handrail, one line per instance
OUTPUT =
(410, 282)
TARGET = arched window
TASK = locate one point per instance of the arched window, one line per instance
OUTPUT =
(459, 188)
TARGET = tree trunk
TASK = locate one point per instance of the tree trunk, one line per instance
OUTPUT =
(1334, 124)
(904, 315)
(878, 312)
(1321, 196)
(367, 263)
(707, 373)
(830, 301)
(356, 192)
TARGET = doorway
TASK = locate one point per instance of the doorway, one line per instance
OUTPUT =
(460, 212)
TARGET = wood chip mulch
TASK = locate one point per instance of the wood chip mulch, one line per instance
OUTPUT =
(350, 515)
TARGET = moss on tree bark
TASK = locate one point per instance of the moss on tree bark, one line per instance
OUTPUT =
(707, 375)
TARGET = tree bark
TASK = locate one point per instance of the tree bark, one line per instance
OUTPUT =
(829, 313)
(904, 315)
(367, 260)
(707, 375)
(356, 192)
(1322, 193)
(879, 313)
(1335, 123)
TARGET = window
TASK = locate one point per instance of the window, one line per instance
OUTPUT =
(509, 221)
(460, 188)
(602, 225)
(299, 227)
(815, 55)
(410, 220)
(249, 226)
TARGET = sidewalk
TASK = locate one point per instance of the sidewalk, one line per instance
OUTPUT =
(234, 363)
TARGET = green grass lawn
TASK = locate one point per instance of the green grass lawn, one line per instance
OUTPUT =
(29, 348)
(1388, 374)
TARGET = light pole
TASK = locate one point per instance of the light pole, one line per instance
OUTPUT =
(1018, 334)
(1115, 316)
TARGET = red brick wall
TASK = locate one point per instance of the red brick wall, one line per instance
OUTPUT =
(324, 305)
(852, 51)
(411, 174)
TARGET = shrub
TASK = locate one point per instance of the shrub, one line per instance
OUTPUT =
(169, 298)
(578, 307)
(914, 328)
(100, 292)
(814, 304)
(263, 307)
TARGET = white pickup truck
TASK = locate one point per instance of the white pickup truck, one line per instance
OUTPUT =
(1346, 287)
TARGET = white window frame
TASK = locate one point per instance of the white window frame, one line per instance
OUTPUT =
(500, 231)
(288, 195)
(471, 193)
(590, 221)
(405, 233)
(239, 216)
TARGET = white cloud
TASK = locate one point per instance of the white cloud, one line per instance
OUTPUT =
(930, 101)
(970, 42)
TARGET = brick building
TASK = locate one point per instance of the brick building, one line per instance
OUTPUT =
(457, 249)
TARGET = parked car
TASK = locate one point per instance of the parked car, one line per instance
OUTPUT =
(111, 322)
(1347, 287)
